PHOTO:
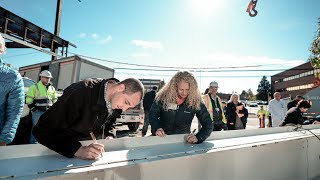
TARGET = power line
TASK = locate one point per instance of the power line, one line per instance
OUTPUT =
(202, 76)
(227, 70)
(20, 55)
(173, 67)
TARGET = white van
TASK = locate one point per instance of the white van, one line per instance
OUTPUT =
(27, 83)
(132, 117)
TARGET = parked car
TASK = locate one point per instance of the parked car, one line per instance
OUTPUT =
(27, 83)
(132, 117)
(260, 102)
(252, 104)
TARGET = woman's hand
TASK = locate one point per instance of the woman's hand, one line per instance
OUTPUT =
(191, 138)
(160, 132)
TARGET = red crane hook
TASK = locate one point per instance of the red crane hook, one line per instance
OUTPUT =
(251, 9)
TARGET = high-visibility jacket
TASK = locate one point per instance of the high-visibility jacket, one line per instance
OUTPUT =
(262, 112)
(41, 97)
(207, 101)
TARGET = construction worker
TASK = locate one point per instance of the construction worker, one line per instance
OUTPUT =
(215, 107)
(262, 114)
(40, 98)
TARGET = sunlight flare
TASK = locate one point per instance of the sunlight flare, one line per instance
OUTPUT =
(205, 8)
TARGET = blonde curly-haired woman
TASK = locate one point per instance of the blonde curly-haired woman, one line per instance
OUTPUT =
(175, 106)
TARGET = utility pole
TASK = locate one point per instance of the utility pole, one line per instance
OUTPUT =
(57, 26)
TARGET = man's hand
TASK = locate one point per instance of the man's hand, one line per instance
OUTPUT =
(90, 152)
(109, 137)
(90, 82)
(3, 143)
(191, 138)
(160, 132)
(240, 115)
(316, 122)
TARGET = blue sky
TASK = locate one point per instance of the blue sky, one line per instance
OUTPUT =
(179, 33)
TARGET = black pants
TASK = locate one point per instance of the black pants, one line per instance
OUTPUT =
(23, 131)
(217, 127)
(146, 123)
(270, 121)
(231, 127)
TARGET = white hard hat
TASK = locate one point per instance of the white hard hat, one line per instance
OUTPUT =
(213, 84)
(45, 73)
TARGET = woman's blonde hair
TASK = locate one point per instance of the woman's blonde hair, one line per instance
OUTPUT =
(168, 94)
(232, 96)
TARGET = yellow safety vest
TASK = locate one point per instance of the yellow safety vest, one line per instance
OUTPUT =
(207, 101)
(41, 96)
(262, 112)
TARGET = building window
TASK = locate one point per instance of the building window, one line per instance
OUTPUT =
(300, 75)
(295, 88)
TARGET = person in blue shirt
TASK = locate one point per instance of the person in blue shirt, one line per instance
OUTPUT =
(11, 100)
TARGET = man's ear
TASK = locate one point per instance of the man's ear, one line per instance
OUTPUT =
(121, 87)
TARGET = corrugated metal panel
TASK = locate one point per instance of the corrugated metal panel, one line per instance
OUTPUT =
(65, 75)
(92, 71)
(32, 73)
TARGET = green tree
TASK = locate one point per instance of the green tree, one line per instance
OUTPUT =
(264, 89)
(251, 96)
(315, 51)
(161, 84)
(244, 95)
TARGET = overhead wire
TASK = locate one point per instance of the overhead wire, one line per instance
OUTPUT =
(225, 70)
(157, 68)
(24, 54)
(175, 67)
(197, 75)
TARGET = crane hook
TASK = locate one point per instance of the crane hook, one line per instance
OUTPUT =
(251, 9)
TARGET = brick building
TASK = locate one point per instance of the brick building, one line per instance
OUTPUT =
(294, 81)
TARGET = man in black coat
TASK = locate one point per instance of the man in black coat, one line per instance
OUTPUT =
(294, 102)
(147, 102)
(294, 115)
(86, 107)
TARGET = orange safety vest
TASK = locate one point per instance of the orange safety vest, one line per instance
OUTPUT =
(207, 101)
